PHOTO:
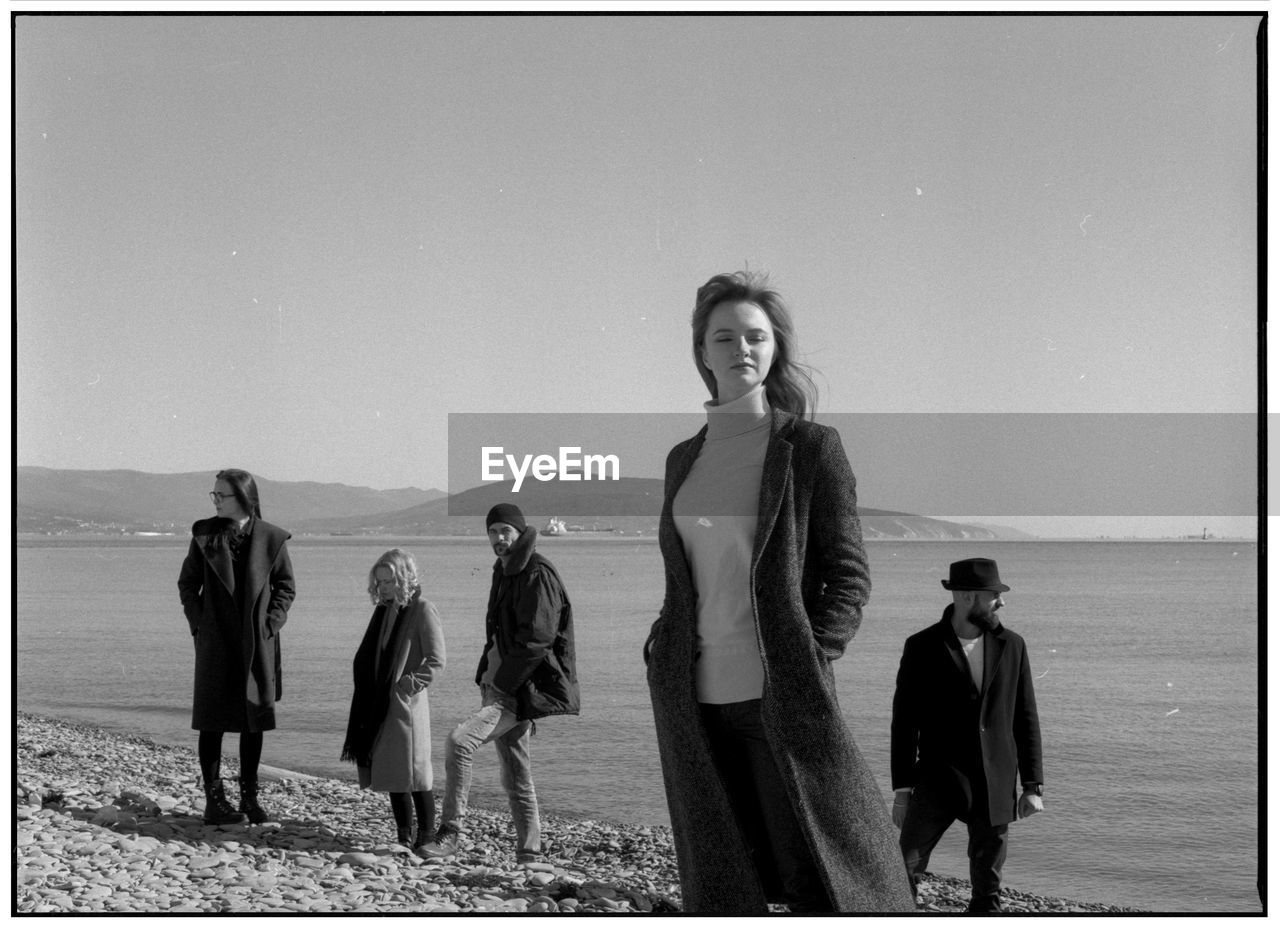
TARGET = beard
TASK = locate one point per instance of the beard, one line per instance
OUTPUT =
(985, 618)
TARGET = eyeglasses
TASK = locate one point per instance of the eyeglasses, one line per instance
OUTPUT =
(215, 496)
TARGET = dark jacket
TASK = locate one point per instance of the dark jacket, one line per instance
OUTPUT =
(235, 617)
(809, 582)
(961, 742)
(531, 619)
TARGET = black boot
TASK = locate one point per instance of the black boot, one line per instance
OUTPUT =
(402, 809)
(217, 811)
(424, 805)
(249, 802)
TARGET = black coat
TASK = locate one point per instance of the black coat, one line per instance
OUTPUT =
(531, 619)
(964, 743)
(237, 636)
(809, 582)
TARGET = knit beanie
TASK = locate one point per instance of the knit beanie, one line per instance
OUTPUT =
(506, 512)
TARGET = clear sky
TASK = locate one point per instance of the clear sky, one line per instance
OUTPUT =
(296, 244)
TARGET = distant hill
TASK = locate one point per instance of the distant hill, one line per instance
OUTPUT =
(116, 501)
(880, 524)
(53, 500)
(1005, 533)
(629, 506)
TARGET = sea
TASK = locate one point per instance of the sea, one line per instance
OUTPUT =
(1145, 656)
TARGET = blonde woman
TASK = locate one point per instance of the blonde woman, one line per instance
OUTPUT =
(389, 729)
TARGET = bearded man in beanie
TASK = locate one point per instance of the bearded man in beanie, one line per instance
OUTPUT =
(526, 672)
(964, 732)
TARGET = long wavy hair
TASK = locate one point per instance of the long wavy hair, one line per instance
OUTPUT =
(245, 489)
(788, 385)
(403, 569)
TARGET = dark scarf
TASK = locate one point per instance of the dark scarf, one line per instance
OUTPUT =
(372, 694)
(223, 540)
(238, 547)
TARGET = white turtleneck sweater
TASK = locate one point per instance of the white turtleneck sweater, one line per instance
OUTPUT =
(715, 513)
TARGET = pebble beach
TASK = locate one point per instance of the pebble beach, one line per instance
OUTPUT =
(113, 823)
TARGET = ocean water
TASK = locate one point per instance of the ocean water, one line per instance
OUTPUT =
(1145, 656)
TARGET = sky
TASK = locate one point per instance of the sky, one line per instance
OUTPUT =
(299, 244)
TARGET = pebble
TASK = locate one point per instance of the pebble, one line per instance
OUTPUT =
(111, 823)
(359, 859)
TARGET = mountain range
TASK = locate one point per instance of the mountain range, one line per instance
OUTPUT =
(52, 500)
(56, 501)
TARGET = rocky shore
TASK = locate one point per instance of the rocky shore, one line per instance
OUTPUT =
(111, 823)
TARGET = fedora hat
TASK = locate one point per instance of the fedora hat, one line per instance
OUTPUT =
(975, 573)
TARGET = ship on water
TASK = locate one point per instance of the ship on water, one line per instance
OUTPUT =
(555, 527)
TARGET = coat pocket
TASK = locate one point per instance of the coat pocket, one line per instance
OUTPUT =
(647, 651)
(546, 682)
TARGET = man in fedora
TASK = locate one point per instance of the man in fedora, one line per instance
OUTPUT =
(964, 732)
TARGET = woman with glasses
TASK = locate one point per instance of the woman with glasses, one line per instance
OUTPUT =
(236, 586)
(389, 728)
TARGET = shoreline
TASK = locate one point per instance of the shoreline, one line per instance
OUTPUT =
(112, 823)
(183, 538)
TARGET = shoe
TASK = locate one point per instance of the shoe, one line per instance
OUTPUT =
(445, 845)
(524, 858)
(249, 802)
(421, 840)
(987, 904)
(217, 811)
(404, 836)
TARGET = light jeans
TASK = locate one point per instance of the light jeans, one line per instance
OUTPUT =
(511, 737)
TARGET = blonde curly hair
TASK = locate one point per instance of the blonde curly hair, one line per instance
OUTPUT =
(402, 567)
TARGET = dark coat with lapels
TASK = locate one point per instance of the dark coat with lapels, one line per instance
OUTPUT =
(235, 618)
(809, 581)
(961, 742)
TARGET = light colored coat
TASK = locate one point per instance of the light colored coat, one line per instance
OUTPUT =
(809, 581)
(401, 757)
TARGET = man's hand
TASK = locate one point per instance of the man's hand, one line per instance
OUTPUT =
(1029, 804)
(900, 801)
(506, 701)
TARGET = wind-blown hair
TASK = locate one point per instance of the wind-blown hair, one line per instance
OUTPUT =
(788, 385)
(245, 489)
(403, 569)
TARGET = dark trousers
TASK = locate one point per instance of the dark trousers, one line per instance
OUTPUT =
(762, 806)
(210, 753)
(927, 820)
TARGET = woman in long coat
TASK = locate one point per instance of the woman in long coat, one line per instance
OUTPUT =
(389, 729)
(769, 797)
(236, 586)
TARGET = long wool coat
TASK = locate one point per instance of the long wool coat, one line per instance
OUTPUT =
(808, 584)
(961, 741)
(401, 758)
(237, 637)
